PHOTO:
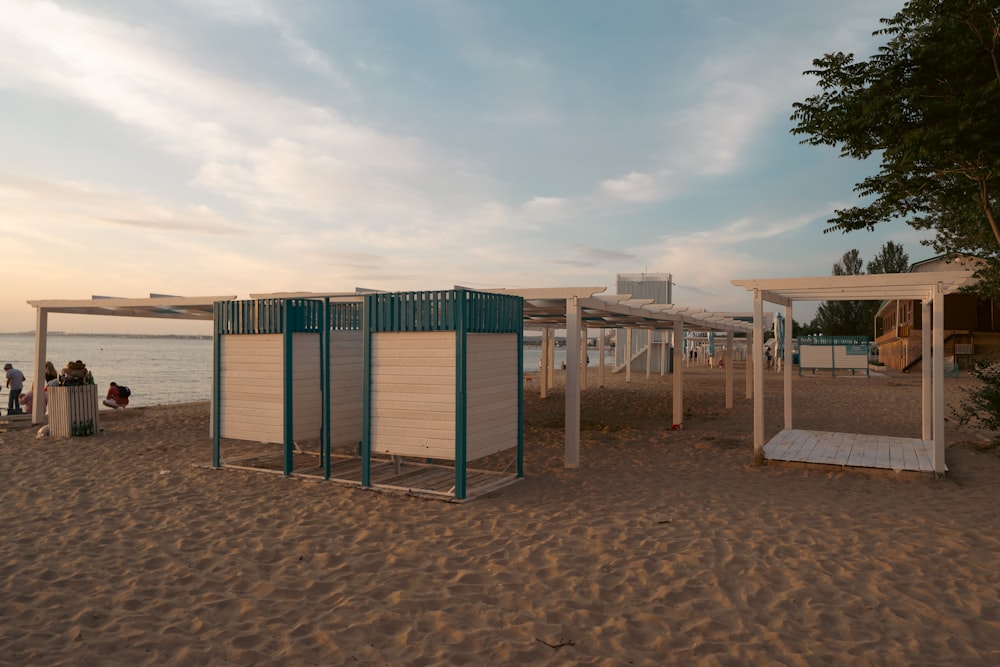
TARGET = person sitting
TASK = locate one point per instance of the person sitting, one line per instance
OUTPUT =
(115, 399)
(26, 401)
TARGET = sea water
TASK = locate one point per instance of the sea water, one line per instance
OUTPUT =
(159, 370)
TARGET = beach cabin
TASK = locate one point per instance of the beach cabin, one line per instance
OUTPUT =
(287, 371)
(399, 391)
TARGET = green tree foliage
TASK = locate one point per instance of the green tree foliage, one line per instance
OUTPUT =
(890, 259)
(927, 105)
(846, 318)
(856, 318)
(981, 405)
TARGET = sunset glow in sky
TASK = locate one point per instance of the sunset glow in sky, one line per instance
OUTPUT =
(198, 147)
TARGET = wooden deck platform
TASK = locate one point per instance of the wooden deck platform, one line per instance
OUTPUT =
(404, 476)
(851, 450)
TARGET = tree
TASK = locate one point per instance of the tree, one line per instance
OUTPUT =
(981, 405)
(846, 318)
(853, 318)
(926, 103)
(890, 259)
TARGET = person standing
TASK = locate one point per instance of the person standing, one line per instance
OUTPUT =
(15, 382)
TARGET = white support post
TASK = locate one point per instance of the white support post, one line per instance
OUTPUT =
(628, 354)
(552, 359)
(787, 367)
(678, 407)
(600, 357)
(663, 353)
(938, 380)
(544, 365)
(758, 378)
(749, 369)
(41, 335)
(649, 352)
(582, 359)
(729, 369)
(926, 392)
(572, 454)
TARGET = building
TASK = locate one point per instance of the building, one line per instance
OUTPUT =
(971, 324)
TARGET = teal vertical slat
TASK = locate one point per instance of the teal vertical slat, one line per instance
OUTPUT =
(218, 312)
(369, 311)
(288, 407)
(461, 386)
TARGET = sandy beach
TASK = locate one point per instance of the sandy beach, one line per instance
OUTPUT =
(664, 547)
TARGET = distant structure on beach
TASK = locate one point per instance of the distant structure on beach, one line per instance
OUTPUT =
(971, 325)
(659, 288)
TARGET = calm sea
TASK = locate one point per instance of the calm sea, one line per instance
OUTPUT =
(158, 369)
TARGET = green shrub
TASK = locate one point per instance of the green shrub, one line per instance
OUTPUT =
(981, 405)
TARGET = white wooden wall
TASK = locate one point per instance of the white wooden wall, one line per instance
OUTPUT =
(413, 394)
(346, 386)
(822, 356)
(252, 387)
(69, 404)
(491, 404)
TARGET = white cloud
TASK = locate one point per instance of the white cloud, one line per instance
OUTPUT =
(546, 208)
(638, 187)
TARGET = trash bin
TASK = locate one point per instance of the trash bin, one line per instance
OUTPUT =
(73, 410)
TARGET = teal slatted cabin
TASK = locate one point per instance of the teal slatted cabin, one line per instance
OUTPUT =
(413, 380)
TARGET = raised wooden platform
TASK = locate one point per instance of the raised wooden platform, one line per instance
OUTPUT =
(851, 450)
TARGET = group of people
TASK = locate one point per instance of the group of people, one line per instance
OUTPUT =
(75, 373)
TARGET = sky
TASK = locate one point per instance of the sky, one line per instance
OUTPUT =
(213, 147)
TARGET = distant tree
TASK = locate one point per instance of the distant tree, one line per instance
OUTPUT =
(846, 318)
(856, 318)
(804, 329)
(890, 259)
(926, 104)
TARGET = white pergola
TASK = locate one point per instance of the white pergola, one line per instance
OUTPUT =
(571, 308)
(929, 288)
(574, 308)
(157, 306)
(578, 308)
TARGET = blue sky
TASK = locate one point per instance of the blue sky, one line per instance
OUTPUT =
(199, 147)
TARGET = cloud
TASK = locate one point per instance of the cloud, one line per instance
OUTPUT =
(66, 206)
(265, 13)
(636, 187)
(546, 208)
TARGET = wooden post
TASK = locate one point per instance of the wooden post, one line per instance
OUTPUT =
(39, 397)
(758, 378)
(925, 370)
(600, 357)
(729, 369)
(545, 365)
(787, 368)
(552, 360)
(628, 354)
(572, 454)
(938, 380)
(678, 407)
(663, 352)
